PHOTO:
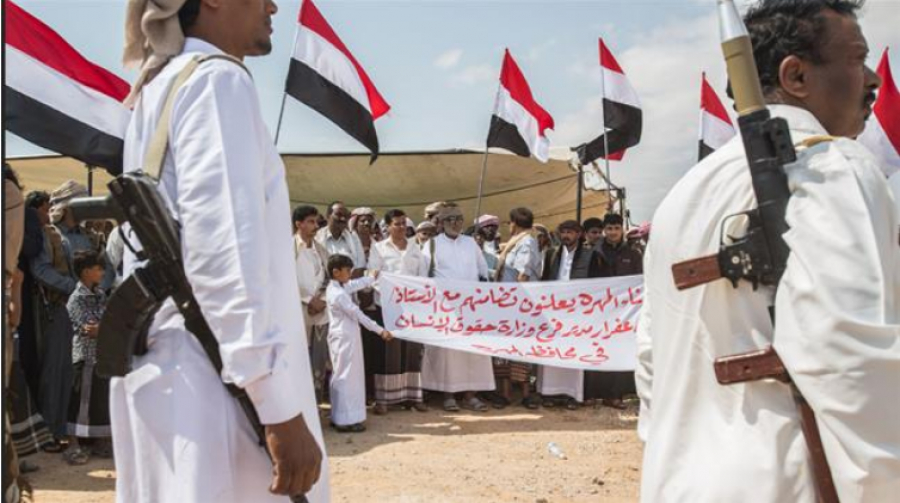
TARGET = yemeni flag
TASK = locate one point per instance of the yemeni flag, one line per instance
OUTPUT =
(326, 77)
(519, 124)
(622, 116)
(882, 134)
(716, 127)
(57, 99)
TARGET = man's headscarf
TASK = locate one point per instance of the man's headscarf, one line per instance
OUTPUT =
(153, 36)
(62, 196)
(486, 220)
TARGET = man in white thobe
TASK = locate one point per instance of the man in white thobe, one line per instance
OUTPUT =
(837, 307)
(311, 259)
(455, 256)
(178, 433)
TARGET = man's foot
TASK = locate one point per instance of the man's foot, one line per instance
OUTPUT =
(475, 404)
(420, 407)
(531, 402)
(450, 405)
(572, 404)
(76, 456)
(615, 403)
(350, 428)
(26, 466)
(380, 409)
(497, 400)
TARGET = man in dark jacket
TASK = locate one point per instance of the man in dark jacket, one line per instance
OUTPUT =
(571, 260)
(616, 259)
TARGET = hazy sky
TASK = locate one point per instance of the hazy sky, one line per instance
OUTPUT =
(437, 63)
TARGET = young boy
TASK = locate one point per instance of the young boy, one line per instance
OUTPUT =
(348, 379)
(89, 404)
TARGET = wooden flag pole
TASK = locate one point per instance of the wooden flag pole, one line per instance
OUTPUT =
(485, 160)
(90, 179)
(605, 132)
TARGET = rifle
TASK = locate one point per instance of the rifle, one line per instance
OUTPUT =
(135, 199)
(760, 256)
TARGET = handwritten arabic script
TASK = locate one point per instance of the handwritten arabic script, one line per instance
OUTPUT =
(586, 324)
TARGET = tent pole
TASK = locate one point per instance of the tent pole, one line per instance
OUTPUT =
(90, 179)
(481, 184)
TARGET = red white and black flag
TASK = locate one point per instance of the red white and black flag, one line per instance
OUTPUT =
(716, 127)
(622, 116)
(57, 99)
(519, 124)
(882, 134)
(326, 77)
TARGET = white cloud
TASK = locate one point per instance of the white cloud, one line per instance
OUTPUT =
(476, 74)
(448, 59)
(538, 51)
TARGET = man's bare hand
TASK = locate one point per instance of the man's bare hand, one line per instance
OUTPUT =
(316, 305)
(386, 335)
(296, 457)
(91, 329)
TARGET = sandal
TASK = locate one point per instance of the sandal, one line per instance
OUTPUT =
(350, 428)
(615, 403)
(53, 447)
(420, 407)
(548, 403)
(450, 405)
(572, 404)
(532, 402)
(476, 405)
(76, 456)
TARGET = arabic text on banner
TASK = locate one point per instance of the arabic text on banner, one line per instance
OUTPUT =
(587, 324)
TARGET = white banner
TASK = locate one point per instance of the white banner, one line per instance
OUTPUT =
(586, 324)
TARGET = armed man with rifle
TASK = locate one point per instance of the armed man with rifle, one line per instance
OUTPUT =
(769, 343)
(216, 400)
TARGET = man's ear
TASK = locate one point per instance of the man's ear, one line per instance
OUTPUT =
(793, 77)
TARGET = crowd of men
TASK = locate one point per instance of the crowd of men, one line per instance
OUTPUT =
(398, 373)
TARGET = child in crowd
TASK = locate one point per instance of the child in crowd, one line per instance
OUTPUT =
(89, 404)
(348, 379)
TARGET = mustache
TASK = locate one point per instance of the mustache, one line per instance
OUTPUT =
(870, 99)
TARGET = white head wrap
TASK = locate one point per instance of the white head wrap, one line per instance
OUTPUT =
(153, 36)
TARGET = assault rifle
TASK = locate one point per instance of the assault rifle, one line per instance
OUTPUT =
(760, 256)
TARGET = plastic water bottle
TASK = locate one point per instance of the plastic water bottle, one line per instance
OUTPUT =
(556, 451)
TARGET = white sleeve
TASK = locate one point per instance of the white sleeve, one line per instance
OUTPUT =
(376, 263)
(837, 325)
(643, 372)
(482, 263)
(217, 139)
(359, 254)
(355, 285)
(353, 312)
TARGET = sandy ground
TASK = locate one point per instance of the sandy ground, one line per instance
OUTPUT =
(430, 457)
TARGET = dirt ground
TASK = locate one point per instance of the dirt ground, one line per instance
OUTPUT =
(411, 457)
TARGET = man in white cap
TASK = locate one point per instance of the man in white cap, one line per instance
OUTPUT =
(179, 435)
(455, 256)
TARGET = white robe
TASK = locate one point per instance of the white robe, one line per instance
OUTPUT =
(837, 331)
(557, 380)
(178, 435)
(449, 370)
(348, 377)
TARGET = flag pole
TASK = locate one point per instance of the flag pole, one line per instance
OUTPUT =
(605, 131)
(90, 179)
(484, 162)
(578, 198)
(280, 116)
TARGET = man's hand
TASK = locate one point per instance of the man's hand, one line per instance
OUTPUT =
(386, 335)
(296, 457)
(316, 305)
(91, 329)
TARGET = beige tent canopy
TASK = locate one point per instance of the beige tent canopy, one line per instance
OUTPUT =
(408, 180)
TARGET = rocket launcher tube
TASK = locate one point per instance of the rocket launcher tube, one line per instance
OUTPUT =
(738, 53)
